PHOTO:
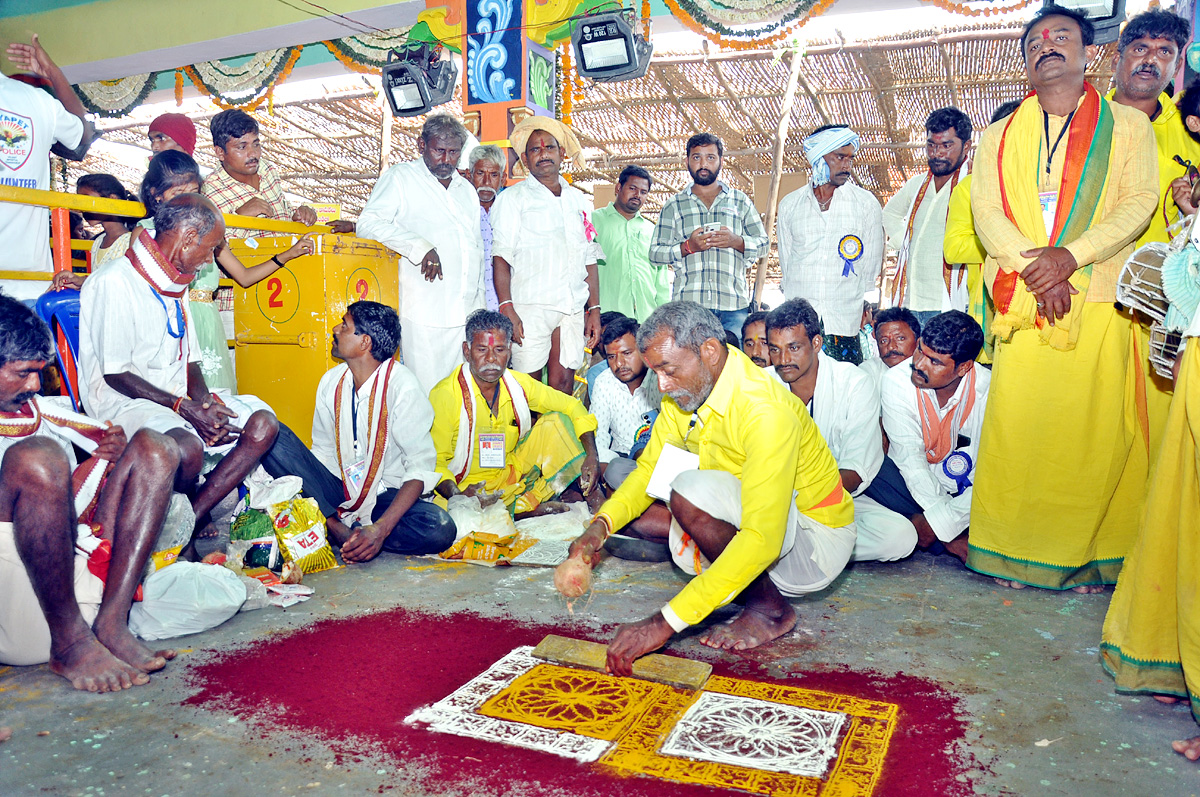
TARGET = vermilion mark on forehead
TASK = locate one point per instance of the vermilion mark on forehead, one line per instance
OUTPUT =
(491, 339)
(1045, 33)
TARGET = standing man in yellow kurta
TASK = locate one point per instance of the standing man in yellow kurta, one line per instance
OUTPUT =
(757, 504)
(1062, 190)
(484, 434)
(1146, 62)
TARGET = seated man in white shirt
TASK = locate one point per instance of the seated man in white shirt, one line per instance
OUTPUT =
(845, 407)
(896, 332)
(372, 457)
(932, 413)
(139, 358)
(53, 605)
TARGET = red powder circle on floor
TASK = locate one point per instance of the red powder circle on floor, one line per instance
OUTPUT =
(350, 683)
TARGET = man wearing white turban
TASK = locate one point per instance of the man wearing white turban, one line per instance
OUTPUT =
(831, 240)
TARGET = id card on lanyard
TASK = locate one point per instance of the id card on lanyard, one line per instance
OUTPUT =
(491, 449)
(1049, 202)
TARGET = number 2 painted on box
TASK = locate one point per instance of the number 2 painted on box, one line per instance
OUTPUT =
(275, 286)
(362, 288)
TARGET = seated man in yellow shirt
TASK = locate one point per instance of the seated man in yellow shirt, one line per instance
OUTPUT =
(489, 442)
(759, 511)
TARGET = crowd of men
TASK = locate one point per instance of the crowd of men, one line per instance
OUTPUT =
(999, 408)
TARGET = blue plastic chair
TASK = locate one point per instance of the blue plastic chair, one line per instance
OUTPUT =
(60, 311)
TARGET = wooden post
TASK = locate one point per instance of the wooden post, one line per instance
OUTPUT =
(385, 135)
(781, 133)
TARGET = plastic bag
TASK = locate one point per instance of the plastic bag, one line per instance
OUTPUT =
(177, 529)
(186, 598)
(300, 529)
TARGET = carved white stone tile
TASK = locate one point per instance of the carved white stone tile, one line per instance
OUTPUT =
(743, 731)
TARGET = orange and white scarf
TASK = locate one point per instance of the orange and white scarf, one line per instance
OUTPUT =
(939, 434)
(464, 446)
(955, 287)
(148, 260)
(360, 503)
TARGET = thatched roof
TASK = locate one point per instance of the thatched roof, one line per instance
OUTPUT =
(328, 149)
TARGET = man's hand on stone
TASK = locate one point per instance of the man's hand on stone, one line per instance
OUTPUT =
(1051, 265)
(635, 640)
(587, 546)
(364, 544)
(112, 444)
(1055, 302)
(431, 266)
(257, 206)
(518, 335)
(305, 215)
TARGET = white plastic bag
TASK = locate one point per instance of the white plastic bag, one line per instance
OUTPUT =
(186, 598)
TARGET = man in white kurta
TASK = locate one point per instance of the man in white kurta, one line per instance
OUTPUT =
(845, 406)
(932, 413)
(429, 214)
(544, 257)
(915, 220)
(831, 241)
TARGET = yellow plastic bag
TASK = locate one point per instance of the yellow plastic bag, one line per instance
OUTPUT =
(300, 530)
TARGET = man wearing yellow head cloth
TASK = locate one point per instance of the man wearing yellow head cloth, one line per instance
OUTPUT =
(1062, 189)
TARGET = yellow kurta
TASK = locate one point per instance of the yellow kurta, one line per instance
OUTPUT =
(1060, 481)
(550, 447)
(962, 245)
(753, 427)
(1151, 637)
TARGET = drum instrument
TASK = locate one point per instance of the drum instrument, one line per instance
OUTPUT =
(1163, 348)
(1139, 285)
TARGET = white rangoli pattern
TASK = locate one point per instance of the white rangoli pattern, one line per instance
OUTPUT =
(457, 714)
(544, 553)
(743, 731)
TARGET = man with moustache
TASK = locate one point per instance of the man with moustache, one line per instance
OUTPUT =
(1148, 55)
(367, 471)
(754, 339)
(932, 414)
(629, 282)
(486, 440)
(486, 166)
(621, 399)
(831, 240)
(709, 233)
(427, 213)
(845, 406)
(544, 257)
(760, 516)
(915, 221)
(896, 332)
(1062, 190)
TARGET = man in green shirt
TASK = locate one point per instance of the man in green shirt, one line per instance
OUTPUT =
(629, 282)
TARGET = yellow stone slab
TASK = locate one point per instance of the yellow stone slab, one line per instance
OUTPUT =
(670, 670)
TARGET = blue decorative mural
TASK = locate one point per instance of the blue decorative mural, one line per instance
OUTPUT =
(493, 51)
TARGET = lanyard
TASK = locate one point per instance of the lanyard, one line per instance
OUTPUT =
(354, 415)
(180, 321)
(1057, 141)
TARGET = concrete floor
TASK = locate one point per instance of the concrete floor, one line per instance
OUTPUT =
(1026, 672)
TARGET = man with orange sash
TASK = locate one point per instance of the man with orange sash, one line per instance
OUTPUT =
(1062, 189)
(372, 458)
(66, 589)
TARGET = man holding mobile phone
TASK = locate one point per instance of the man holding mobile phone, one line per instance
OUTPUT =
(708, 233)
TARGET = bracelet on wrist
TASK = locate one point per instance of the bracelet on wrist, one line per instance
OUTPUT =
(506, 301)
(178, 403)
(593, 307)
(685, 248)
(275, 259)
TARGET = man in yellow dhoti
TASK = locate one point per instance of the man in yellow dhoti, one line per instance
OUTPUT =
(1152, 631)
(1062, 189)
(490, 442)
(1147, 60)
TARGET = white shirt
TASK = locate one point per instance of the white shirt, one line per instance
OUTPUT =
(619, 412)
(929, 484)
(543, 239)
(123, 326)
(411, 212)
(409, 453)
(845, 406)
(809, 259)
(32, 121)
(926, 288)
(875, 368)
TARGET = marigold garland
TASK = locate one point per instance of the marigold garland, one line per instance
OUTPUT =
(226, 103)
(178, 88)
(646, 19)
(961, 8)
(695, 20)
(567, 89)
(348, 62)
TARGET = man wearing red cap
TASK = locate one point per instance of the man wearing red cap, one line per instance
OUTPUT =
(172, 131)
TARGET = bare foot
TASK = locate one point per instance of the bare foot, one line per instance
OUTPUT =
(1004, 582)
(1190, 748)
(5, 734)
(121, 642)
(1088, 589)
(958, 547)
(1166, 699)
(91, 668)
(749, 629)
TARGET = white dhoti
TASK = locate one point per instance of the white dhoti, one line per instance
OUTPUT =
(883, 535)
(812, 554)
(539, 323)
(431, 353)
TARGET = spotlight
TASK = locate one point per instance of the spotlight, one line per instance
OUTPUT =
(607, 48)
(418, 80)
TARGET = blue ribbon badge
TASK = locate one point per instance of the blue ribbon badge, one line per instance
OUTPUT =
(958, 467)
(850, 249)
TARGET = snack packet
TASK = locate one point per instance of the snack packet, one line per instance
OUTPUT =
(300, 529)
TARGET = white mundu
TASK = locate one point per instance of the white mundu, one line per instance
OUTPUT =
(411, 212)
(945, 499)
(845, 407)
